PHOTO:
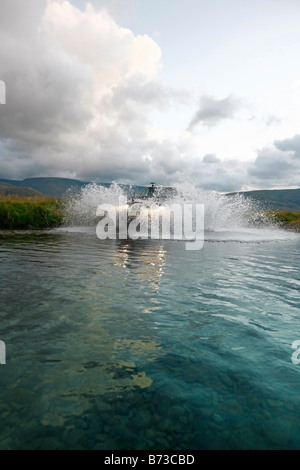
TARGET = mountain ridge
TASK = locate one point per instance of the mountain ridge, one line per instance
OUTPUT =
(7, 189)
(272, 199)
(275, 199)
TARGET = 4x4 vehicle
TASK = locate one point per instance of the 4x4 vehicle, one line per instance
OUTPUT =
(156, 194)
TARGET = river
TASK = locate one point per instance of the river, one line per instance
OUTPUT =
(143, 345)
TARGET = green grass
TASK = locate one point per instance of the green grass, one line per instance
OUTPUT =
(24, 213)
(287, 219)
(45, 212)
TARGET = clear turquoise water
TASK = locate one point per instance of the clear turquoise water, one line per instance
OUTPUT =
(144, 345)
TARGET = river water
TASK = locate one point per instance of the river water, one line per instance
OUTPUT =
(143, 345)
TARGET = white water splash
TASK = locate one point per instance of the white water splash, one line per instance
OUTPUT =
(80, 207)
(227, 218)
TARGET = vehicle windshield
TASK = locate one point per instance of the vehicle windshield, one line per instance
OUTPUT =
(148, 192)
(159, 192)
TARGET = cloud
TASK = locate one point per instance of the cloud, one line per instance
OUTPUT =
(80, 95)
(212, 110)
(272, 120)
(149, 93)
(211, 158)
(290, 145)
(271, 164)
(118, 9)
(277, 163)
(275, 166)
(24, 24)
(79, 91)
(216, 174)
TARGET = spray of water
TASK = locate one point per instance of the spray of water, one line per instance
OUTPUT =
(222, 212)
(80, 207)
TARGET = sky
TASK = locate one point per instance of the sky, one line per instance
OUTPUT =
(136, 91)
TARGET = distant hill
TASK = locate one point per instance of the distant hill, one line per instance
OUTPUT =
(55, 187)
(276, 199)
(10, 190)
(281, 199)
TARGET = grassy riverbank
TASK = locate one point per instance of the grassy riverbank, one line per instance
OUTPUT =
(288, 220)
(29, 213)
(45, 212)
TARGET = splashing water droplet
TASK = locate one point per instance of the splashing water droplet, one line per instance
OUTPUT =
(223, 213)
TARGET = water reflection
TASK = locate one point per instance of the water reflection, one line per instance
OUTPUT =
(149, 260)
(86, 334)
(148, 264)
(121, 257)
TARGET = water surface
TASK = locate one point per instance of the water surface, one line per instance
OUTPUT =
(144, 345)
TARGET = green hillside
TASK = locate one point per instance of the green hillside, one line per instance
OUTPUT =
(10, 190)
(55, 187)
(281, 199)
(276, 199)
